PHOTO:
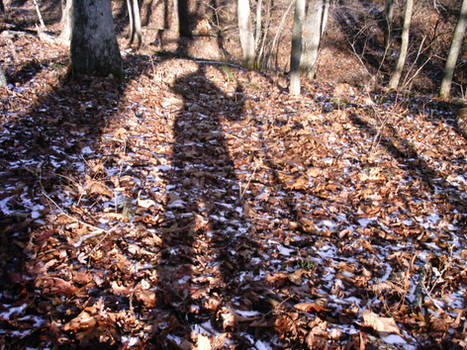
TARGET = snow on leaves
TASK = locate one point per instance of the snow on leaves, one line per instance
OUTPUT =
(201, 212)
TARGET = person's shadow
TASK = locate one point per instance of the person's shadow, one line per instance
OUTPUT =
(204, 214)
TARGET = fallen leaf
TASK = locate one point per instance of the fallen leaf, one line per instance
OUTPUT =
(81, 322)
(147, 297)
(55, 285)
(380, 324)
(310, 307)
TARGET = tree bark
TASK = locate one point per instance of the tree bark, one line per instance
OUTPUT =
(394, 82)
(135, 23)
(456, 46)
(314, 28)
(245, 30)
(3, 82)
(94, 48)
(294, 88)
(388, 17)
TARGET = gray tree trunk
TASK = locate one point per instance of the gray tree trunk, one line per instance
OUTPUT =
(388, 17)
(394, 82)
(94, 48)
(67, 12)
(296, 53)
(3, 82)
(135, 23)
(259, 23)
(314, 23)
(245, 31)
(456, 46)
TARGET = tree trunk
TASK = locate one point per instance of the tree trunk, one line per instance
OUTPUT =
(259, 21)
(245, 30)
(394, 82)
(3, 82)
(2, 8)
(325, 15)
(39, 15)
(135, 23)
(388, 17)
(94, 48)
(314, 29)
(456, 46)
(294, 88)
(66, 21)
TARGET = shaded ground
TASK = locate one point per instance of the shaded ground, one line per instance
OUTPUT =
(198, 205)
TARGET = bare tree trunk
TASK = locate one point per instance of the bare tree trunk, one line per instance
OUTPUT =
(294, 88)
(131, 25)
(388, 16)
(259, 20)
(314, 23)
(67, 12)
(394, 82)
(94, 48)
(135, 22)
(3, 82)
(2, 8)
(246, 32)
(456, 46)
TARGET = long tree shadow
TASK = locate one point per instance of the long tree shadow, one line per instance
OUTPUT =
(44, 150)
(405, 153)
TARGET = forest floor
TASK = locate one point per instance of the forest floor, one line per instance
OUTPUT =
(196, 205)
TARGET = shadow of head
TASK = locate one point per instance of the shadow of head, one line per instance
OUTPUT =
(202, 94)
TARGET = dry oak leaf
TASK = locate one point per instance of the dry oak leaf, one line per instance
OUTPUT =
(277, 279)
(299, 184)
(97, 187)
(147, 297)
(55, 285)
(380, 324)
(81, 322)
(310, 307)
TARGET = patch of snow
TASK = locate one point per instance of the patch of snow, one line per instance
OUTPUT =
(184, 279)
(394, 339)
(260, 345)
(178, 203)
(245, 313)
(129, 341)
(87, 150)
(328, 251)
(4, 207)
(37, 320)
(285, 251)
(13, 310)
(174, 338)
(364, 222)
